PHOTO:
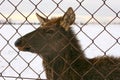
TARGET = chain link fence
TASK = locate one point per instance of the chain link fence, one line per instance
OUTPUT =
(97, 26)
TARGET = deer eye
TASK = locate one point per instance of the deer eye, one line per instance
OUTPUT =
(50, 31)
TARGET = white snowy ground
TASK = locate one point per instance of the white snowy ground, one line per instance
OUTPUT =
(11, 58)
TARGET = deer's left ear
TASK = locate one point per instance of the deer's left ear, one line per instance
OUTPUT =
(41, 19)
(68, 19)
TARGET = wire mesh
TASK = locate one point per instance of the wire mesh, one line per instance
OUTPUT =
(15, 16)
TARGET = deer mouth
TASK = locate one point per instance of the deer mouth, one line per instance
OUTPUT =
(24, 48)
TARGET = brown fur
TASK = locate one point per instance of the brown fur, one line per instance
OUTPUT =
(63, 58)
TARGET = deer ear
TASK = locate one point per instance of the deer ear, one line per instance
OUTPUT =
(68, 19)
(41, 19)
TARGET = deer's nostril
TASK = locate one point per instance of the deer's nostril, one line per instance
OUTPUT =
(18, 42)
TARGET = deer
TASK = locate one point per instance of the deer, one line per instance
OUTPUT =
(63, 58)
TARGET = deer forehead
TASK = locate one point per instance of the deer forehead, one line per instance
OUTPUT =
(52, 22)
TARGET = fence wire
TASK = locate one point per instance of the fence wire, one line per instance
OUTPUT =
(15, 15)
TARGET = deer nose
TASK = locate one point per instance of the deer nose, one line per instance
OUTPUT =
(18, 42)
